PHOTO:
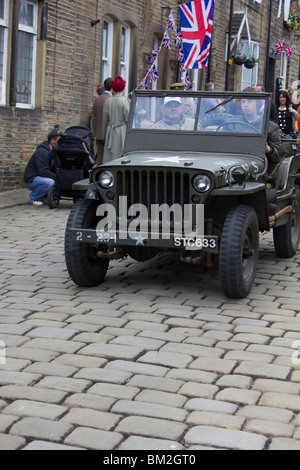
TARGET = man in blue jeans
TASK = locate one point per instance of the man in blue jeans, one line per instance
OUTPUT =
(39, 176)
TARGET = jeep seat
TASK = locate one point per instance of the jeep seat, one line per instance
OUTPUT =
(285, 150)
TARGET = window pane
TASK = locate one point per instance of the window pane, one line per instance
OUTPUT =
(249, 77)
(24, 67)
(1, 61)
(105, 40)
(2, 9)
(26, 14)
(123, 45)
(107, 49)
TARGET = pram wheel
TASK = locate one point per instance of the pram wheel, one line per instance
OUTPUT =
(53, 198)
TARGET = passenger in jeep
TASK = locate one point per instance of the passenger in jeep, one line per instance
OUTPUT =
(174, 119)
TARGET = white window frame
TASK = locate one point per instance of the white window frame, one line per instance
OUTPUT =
(125, 60)
(283, 70)
(5, 25)
(107, 52)
(195, 80)
(33, 31)
(249, 76)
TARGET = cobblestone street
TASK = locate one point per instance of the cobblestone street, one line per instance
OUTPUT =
(155, 358)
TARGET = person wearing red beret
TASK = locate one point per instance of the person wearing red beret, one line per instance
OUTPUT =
(115, 117)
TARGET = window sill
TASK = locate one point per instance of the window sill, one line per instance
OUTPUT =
(15, 110)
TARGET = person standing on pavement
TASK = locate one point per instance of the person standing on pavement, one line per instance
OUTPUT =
(97, 118)
(274, 110)
(39, 176)
(115, 117)
(207, 103)
(287, 114)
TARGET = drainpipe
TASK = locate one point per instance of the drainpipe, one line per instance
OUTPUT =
(268, 46)
(229, 46)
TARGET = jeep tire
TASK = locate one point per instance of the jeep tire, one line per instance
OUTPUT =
(287, 237)
(239, 251)
(84, 265)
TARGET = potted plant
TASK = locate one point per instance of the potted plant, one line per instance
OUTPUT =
(293, 21)
(239, 58)
(250, 62)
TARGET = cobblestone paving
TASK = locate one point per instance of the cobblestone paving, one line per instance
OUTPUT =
(155, 358)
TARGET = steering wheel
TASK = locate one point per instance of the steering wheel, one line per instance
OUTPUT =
(216, 119)
(235, 125)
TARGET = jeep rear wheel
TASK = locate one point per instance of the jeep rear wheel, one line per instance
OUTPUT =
(84, 263)
(287, 237)
(239, 250)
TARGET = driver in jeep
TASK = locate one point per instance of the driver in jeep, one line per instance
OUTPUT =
(251, 116)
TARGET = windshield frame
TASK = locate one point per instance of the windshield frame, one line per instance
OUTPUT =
(199, 96)
(223, 142)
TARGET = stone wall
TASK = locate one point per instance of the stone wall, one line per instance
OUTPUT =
(69, 66)
(68, 69)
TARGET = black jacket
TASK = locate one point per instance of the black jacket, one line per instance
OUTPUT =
(274, 113)
(40, 164)
(274, 142)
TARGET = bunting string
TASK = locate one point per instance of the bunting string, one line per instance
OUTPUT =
(287, 50)
(152, 73)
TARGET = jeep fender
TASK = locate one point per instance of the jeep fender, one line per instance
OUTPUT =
(253, 194)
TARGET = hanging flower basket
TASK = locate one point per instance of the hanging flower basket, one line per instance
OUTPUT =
(239, 58)
(250, 62)
(292, 23)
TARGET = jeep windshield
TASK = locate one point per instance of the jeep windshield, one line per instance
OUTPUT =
(210, 122)
(192, 113)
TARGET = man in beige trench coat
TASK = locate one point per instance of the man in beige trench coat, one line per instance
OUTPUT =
(97, 118)
(115, 117)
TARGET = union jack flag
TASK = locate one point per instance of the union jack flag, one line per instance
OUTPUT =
(196, 29)
(180, 55)
(154, 55)
(153, 73)
(171, 21)
(178, 37)
(289, 52)
(188, 85)
(143, 84)
(166, 40)
(280, 47)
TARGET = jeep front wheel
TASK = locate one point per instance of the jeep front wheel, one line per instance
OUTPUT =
(239, 251)
(84, 263)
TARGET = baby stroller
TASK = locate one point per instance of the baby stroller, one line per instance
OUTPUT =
(75, 157)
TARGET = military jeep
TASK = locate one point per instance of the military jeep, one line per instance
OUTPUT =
(194, 179)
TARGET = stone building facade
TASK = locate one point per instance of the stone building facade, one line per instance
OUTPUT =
(53, 54)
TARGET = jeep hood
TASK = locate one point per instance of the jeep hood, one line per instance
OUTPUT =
(212, 162)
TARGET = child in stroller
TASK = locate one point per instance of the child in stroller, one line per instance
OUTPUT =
(75, 157)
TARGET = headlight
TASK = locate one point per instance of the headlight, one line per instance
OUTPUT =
(106, 179)
(202, 183)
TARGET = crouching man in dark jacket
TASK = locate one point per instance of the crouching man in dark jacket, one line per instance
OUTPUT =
(39, 176)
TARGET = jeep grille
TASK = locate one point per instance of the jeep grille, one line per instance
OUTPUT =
(154, 187)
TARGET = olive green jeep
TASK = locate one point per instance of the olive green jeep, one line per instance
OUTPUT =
(194, 179)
